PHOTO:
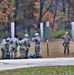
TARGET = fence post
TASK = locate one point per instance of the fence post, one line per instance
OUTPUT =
(47, 42)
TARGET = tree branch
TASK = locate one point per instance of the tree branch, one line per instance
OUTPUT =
(47, 8)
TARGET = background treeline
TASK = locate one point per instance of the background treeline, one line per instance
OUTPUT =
(27, 15)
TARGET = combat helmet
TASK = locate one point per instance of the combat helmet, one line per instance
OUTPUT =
(36, 34)
(26, 35)
(8, 39)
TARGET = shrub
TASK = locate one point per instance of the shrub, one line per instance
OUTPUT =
(60, 33)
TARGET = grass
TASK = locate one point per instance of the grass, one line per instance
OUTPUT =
(64, 70)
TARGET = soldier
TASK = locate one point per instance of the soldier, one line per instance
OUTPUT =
(13, 47)
(27, 44)
(37, 45)
(22, 48)
(5, 48)
(66, 38)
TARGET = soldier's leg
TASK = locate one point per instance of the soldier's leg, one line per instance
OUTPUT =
(20, 52)
(27, 50)
(64, 50)
(15, 52)
(24, 52)
(38, 51)
(11, 53)
(37, 54)
(67, 49)
(22, 55)
(3, 53)
(65, 46)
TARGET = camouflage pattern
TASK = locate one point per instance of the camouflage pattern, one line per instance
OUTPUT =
(5, 48)
(24, 47)
(37, 46)
(13, 47)
(66, 44)
(27, 45)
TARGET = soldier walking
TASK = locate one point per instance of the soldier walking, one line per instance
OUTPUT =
(66, 43)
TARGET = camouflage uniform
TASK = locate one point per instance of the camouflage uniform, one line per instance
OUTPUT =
(37, 44)
(5, 48)
(66, 43)
(13, 47)
(22, 49)
(26, 44)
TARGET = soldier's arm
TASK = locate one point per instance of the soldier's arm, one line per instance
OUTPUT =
(62, 37)
(69, 38)
(38, 39)
(11, 41)
(2, 43)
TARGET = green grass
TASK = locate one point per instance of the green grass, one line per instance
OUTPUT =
(64, 70)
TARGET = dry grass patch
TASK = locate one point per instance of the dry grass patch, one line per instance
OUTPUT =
(55, 49)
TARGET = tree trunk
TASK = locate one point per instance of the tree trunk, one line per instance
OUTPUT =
(54, 11)
(41, 9)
